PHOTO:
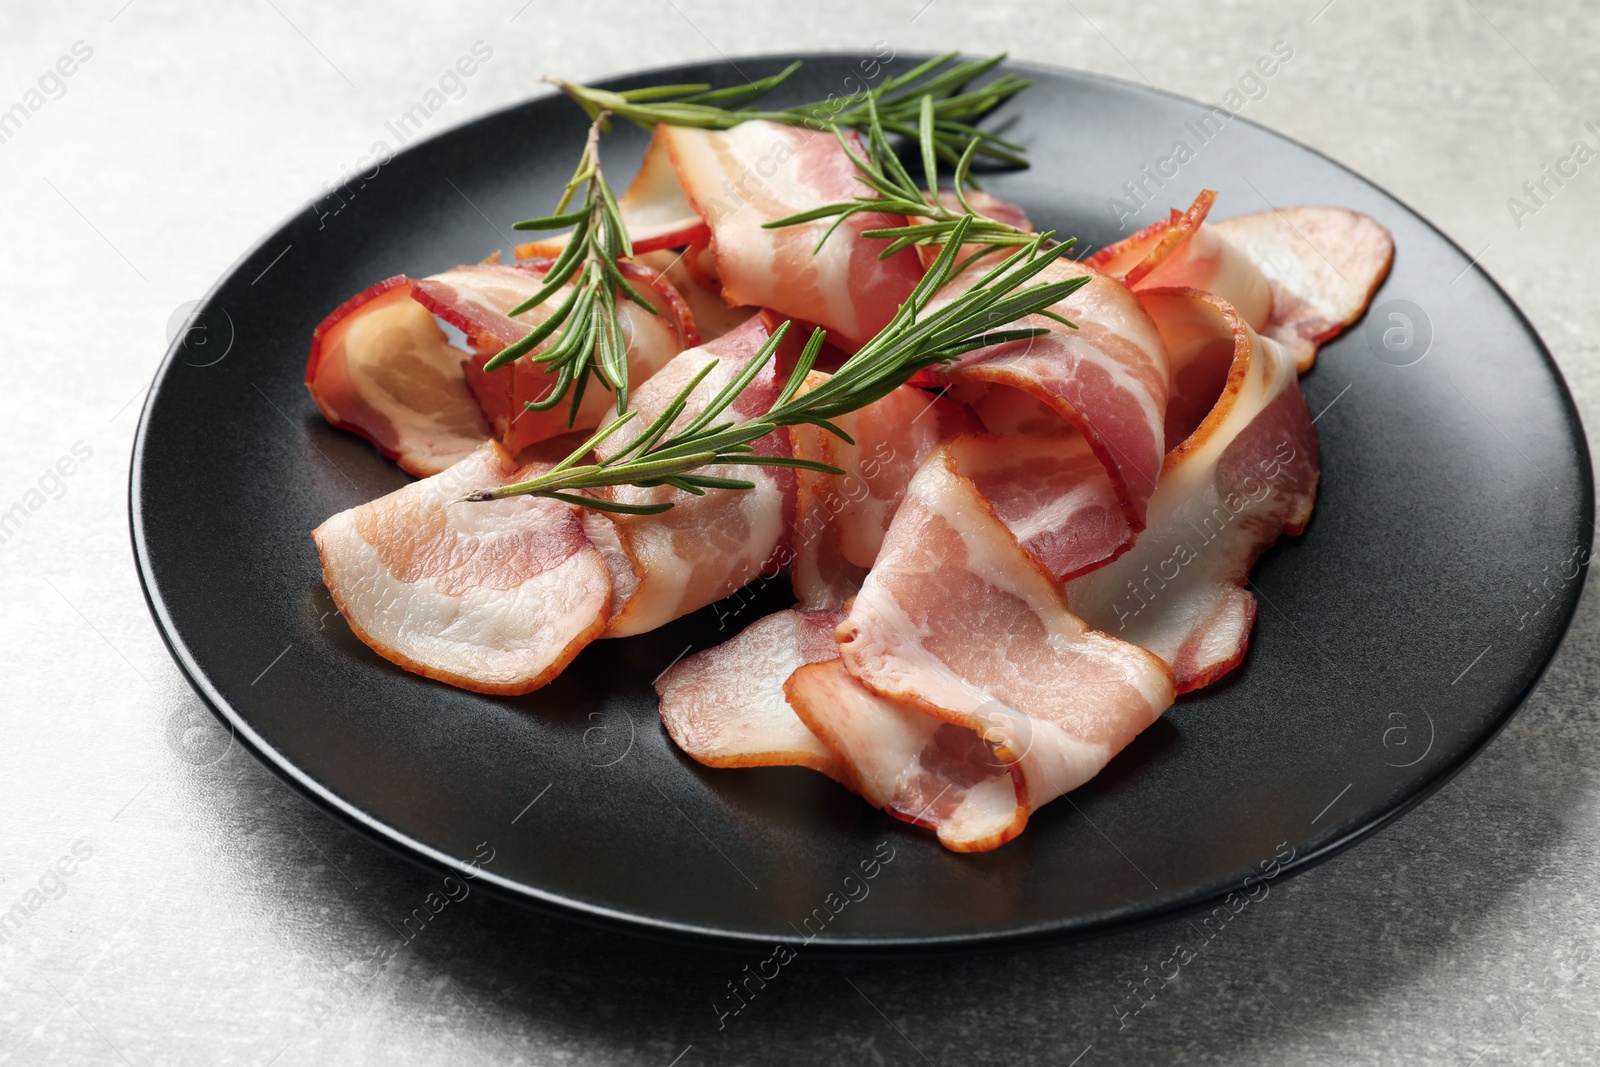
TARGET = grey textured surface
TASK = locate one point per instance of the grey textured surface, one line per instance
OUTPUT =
(219, 918)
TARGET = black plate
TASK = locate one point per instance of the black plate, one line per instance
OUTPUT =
(1395, 638)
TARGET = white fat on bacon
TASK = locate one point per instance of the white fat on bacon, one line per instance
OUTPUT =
(1298, 275)
(494, 597)
(919, 768)
(958, 620)
(705, 547)
(477, 299)
(1243, 476)
(381, 367)
(1102, 386)
(725, 706)
(757, 172)
(1323, 264)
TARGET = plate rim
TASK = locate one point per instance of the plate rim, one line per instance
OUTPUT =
(698, 935)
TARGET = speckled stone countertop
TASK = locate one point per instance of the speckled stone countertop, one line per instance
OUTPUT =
(186, 911)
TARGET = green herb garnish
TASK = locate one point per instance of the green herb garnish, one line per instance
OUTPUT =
(912, 341)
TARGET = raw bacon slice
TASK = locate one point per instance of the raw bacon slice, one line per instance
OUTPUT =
(1106, 379)
(712, 315)
(495, 597)
(1052, 493)
(1323, 263)
(760, 171)
(1299, 275)
(726, 707)
(1246, 474)
(654, 209)
(958, 620)
(840, 520)
(1182, 250)
(915, 766)
(476, 299)
(381, 367)
(708, 546)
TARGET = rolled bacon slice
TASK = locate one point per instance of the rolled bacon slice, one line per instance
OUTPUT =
(476, 299)
(495, 597)
(726, 707)
(761, 171)
(958, 620)
(1051, 491)
(381, 367)
(706, 547)
(777, 695)
(917, 767)
(1104, 382)
(1246, 474)
(1299, 275)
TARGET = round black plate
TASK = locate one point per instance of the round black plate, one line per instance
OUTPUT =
(1394, 639)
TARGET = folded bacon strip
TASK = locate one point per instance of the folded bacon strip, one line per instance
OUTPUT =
(1243, 476)
(918, 767)
(726, 706)
(958, 620)
(778, 695)
(1299, 275)
(495, 597)
(1323, 263)
(705, 547)
(1104, 382)
(761, 171)
(1051, 491)
(381, 367)
(476, 299)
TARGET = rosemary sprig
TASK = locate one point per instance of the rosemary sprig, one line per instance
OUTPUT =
(957, 104)
(891, 190)
(588, 335)
(662, 455)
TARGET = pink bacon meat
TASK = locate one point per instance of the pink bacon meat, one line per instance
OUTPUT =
(1246, 474)
(959, 621)
(476, 299)
(706, 547)
(495, 597)
(757, 172)
(1104, 382)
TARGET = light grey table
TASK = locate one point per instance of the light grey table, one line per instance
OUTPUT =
(182, 911)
